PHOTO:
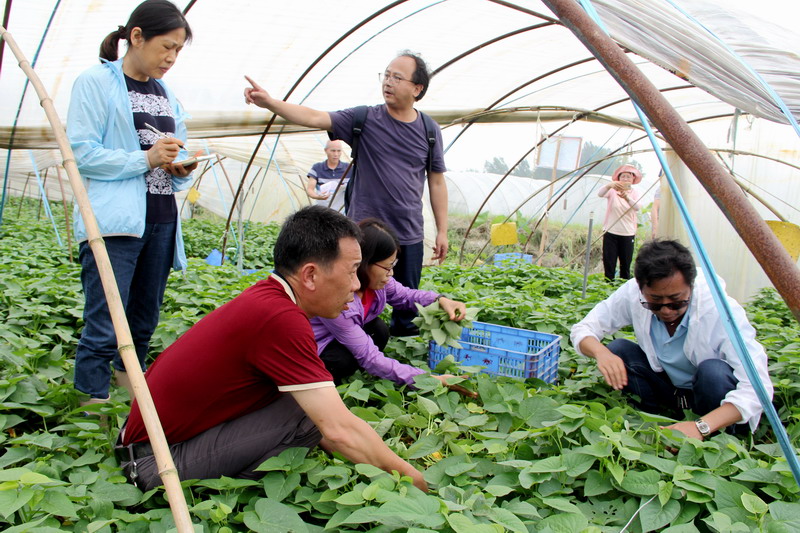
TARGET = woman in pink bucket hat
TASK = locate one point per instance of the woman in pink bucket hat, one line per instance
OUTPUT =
(620, 222)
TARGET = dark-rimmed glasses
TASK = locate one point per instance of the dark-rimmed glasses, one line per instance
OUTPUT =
(389, 268)
(674, 306)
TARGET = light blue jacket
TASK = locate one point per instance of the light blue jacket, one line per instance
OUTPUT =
(109, 157)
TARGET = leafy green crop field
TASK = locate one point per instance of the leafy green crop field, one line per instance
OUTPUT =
(527, 456)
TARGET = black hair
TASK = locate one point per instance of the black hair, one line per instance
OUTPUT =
(311, 235)
(421, 75)
(154, 17)
(378, 243)
(660, 259)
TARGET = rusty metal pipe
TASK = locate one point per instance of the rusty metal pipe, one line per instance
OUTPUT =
(755, 233)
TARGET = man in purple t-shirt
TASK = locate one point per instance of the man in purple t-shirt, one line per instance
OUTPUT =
(392, 159)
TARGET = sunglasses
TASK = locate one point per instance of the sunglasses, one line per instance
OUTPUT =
(680, 304)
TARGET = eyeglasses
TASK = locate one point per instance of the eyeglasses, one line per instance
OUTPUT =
(389, 268)
(391, 79)
(680, 304)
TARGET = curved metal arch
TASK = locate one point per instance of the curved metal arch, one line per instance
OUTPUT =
(489, 42)
(288, 94)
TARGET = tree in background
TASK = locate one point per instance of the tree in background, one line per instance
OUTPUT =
(592, 152)
(523, 170)
(496, 166)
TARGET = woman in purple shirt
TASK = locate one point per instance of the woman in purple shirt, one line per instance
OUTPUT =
(355, 339)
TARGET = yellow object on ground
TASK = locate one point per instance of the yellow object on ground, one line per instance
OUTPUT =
(505, 233)
(788, 234)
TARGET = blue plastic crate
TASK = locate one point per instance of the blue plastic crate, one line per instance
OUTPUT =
(511, 259)
(504, 351)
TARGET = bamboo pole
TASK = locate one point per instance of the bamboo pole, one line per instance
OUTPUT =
(166, 467)
(66, 213)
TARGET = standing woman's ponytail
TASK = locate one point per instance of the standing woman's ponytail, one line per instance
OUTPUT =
(153, 17)
(109, 48)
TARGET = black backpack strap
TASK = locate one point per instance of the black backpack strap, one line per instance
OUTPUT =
(430, 133)
(359, 118)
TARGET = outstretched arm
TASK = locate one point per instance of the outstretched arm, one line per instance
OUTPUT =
(302, 115)
(344, 432)
(720, 418)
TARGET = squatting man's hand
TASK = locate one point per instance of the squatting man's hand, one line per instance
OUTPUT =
(612, 368)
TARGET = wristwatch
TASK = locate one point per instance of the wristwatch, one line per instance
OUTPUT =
(702, 427)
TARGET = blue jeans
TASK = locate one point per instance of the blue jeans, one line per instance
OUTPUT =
(408, 272)
(713, 380)
(141, 268)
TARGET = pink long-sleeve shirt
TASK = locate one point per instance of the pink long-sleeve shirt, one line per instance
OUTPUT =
(617, 221)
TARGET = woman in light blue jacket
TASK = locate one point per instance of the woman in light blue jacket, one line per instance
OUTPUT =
(126, 129)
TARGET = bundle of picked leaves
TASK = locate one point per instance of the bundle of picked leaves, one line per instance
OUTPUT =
(434, 322)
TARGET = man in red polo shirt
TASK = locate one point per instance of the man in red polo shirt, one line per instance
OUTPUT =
(245, 382)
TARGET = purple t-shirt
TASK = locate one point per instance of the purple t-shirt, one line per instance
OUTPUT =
(392, 157)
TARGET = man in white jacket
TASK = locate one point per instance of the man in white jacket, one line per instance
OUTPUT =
(682, 358)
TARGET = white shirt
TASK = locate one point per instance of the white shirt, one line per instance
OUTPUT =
(706, 338)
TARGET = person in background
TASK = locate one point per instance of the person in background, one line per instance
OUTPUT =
(246, 383)
(392, 165)
(682, 357)
(355, 339)
(323, 177)
(131, 180)
(619, 225)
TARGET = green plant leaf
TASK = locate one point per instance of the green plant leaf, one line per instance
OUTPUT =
(754, 504)
(641, 483)
(566, 522)
(273, 517)
(654, 517)
(278, 485)
(596, 484)
(425, 445)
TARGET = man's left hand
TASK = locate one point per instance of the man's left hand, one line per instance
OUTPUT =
(440, 248)
(688, 428)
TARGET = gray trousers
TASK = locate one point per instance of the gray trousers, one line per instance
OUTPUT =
(235, 448)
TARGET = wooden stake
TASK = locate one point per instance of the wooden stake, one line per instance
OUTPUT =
(164, 463)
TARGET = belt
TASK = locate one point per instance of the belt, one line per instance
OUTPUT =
(128, 455)
(133, 451)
